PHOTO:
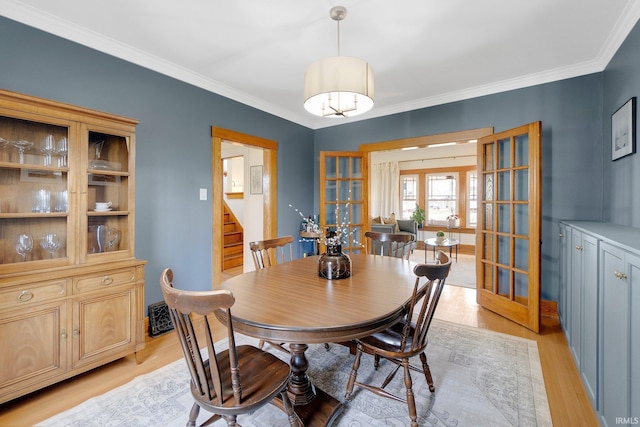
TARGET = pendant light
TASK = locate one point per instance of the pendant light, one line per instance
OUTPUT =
(338, 86)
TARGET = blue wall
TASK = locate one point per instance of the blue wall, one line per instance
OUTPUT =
(173, 227)
(173, 157)
(622, 177)
(570, 111)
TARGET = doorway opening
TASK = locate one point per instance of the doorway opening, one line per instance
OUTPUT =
(422, 155)
(267, 181)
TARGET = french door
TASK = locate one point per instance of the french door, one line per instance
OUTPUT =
(344, 196)
(509, 224)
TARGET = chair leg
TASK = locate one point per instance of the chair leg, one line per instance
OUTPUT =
(193, 415)
(411, 400)
(294, 420)
(231, 421)
(261, 344)
(376, 361)
(326, 346)
(427, 372)
(354, 372)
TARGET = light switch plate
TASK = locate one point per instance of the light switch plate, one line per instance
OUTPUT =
(203, 194)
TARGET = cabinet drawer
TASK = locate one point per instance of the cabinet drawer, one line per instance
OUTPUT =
(21, 296)
(103, 280)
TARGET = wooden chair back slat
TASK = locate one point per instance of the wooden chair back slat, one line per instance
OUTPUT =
(436, 275)
(182, 306)
(398, 245)
(268, 252)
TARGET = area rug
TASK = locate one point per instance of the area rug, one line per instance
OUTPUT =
(482, 378)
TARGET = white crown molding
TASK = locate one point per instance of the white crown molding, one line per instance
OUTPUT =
(65, 29)
(52, 24)
(547, 76)
(628, 19)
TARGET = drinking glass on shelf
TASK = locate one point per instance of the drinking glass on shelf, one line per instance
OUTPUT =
(24, 245)
(22, 146)
(41, 201)
(48, 148)
(50, 243)
(61, 201)
(62, 149)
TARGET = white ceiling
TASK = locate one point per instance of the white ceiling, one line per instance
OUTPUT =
(423, 52)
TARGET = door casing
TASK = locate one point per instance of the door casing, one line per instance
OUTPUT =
(270, 188)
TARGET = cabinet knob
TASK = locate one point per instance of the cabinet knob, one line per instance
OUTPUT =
(620, 275)
(578, 247)
(63, 335)
(76, 331)
(25, 296)
(107, 280)
(561, 235)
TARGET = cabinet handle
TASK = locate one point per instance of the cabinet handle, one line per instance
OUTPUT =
(620, 275)
(107, 280)
(25, 296)
(561, 235)
(76, 331)
(63, 335)
(578, 247)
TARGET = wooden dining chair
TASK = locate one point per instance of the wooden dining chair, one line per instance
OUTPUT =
(397, 245)
(229, 382)
(406, 338)
(268, 252)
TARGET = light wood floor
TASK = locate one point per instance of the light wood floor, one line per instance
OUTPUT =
(567, 399)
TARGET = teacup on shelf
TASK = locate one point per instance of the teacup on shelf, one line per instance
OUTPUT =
(103, 206)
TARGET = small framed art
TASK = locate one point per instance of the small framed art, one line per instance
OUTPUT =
(255, 179)
(623, 130)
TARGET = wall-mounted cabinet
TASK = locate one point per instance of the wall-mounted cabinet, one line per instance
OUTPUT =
(600, 313)
(71, 290)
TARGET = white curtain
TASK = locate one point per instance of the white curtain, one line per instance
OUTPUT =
(385, 190)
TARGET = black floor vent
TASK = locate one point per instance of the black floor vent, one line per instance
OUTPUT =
(159, 319)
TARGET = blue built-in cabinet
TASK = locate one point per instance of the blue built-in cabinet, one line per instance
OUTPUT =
(599, 308)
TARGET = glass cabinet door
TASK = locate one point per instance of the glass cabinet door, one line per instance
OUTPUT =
(35, 220)
(107, 221)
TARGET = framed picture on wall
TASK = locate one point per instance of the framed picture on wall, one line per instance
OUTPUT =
(255, 179)
(623, 130)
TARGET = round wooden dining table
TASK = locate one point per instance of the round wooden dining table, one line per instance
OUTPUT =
(290, 303)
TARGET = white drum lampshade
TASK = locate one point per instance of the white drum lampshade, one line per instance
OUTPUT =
(338, 86)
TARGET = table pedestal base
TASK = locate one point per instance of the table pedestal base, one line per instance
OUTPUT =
(314, 406)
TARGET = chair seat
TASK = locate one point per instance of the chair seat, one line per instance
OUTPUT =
(388, 343)
(268, 375)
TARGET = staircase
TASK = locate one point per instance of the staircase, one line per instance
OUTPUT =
(233, 238)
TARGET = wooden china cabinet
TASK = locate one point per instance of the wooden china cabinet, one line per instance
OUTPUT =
(71, 290)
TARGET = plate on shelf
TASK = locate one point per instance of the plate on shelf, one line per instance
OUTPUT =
(102, 210)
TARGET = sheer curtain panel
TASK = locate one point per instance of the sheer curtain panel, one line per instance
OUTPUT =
(385, 189)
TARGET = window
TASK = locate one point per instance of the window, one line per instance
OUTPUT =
(441, 192)
(409, 194)
(442, 198)
(472, 199)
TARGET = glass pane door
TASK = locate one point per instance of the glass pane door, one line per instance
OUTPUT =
(508, 265)
(108, 223)
(343, 201)
(34, 192)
